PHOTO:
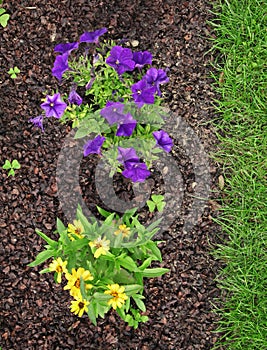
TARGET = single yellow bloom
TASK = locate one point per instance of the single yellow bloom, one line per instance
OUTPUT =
(79, 306)
(76, 230)
(102, 246)
(118, 294)
(124, 230)
(74, 280)
(59, 267)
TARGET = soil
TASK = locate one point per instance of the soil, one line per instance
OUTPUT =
(34, 311)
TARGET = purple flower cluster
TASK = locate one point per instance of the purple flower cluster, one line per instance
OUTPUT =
(61, 62)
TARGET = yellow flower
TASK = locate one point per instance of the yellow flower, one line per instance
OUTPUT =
(76, 230)
(118, 294)
(74, 280)
(59, 267)
(124, 230)
(102, 246)
(79, 306)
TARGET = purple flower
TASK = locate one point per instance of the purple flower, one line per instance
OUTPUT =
(113, 112)
(163, 140)
(155, 77)
(121, 59)
(66, 47)
(127, 154)
(60, 65)
(75, 98)
(38, 122)
(142, 58)
(93, 146)
(54, 106)
(135, 171)
(143, 93)
(92, 37)
(126, 126)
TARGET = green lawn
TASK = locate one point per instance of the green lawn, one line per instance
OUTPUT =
(241, 79)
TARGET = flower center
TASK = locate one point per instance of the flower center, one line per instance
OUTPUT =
(115, 294)
(51, 104)
(81, 305)
(77, 283)
(59, 269)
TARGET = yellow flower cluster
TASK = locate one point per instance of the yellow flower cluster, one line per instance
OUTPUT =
(75, 230)
(117, 292)
(101, 245)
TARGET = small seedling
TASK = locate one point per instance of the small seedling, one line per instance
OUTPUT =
(4, 17)
(157, 202)
(11, 166)
(13, 72)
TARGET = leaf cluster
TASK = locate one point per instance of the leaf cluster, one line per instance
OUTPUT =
(11, 166)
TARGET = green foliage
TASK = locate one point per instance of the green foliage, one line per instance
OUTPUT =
(11, 166)
(126, 260)
(156, 202)
(4, 17)
(13, 72)
(240, 40)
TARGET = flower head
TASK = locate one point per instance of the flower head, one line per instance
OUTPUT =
(124, 230)
(59, 267)
(142, 58)
(155, 77)
(75, 230)
(113, 112)
(118, 295)
(66, 47)
(74, 280)
(54, 106)
(92, 37)
(163, 140)
(143, 93)
(135, 171)
(38, 122)
(93, 146)
(61, 65)
(121, 59)
(126, 126)
(79, 306)
(101, 245)
(75, 98)
(127, 154)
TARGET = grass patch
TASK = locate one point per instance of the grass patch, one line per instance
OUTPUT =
(241, 80)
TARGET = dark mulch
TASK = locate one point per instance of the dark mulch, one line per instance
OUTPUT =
(34, 312)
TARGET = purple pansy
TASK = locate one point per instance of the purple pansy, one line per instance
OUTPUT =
(143, 93)
(135, 171)
(60, 65)
(121, 59)
(38, 122)
(75, 98)
(142, 58)
(54, 106)
(92, 37)
(163, 140)
(66, 47)
(155, 77)
(127, 154)
(93, 146)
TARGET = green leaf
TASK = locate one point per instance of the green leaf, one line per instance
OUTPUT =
(50, 241)
(15, 164)
(151, 205)
(139, 303)
(102, 297)
(155, 250)
(11, 172)
(4, 18)
(41, 257)
(157, 198)
(91, 314)
(160, 206)
(16, 70)
(7, 165)
(146, 263)
(103, 212)
(128, 263)
(155, 272)
(132, 289)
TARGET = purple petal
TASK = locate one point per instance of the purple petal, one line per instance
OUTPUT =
(66, 47)
(60, 66)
